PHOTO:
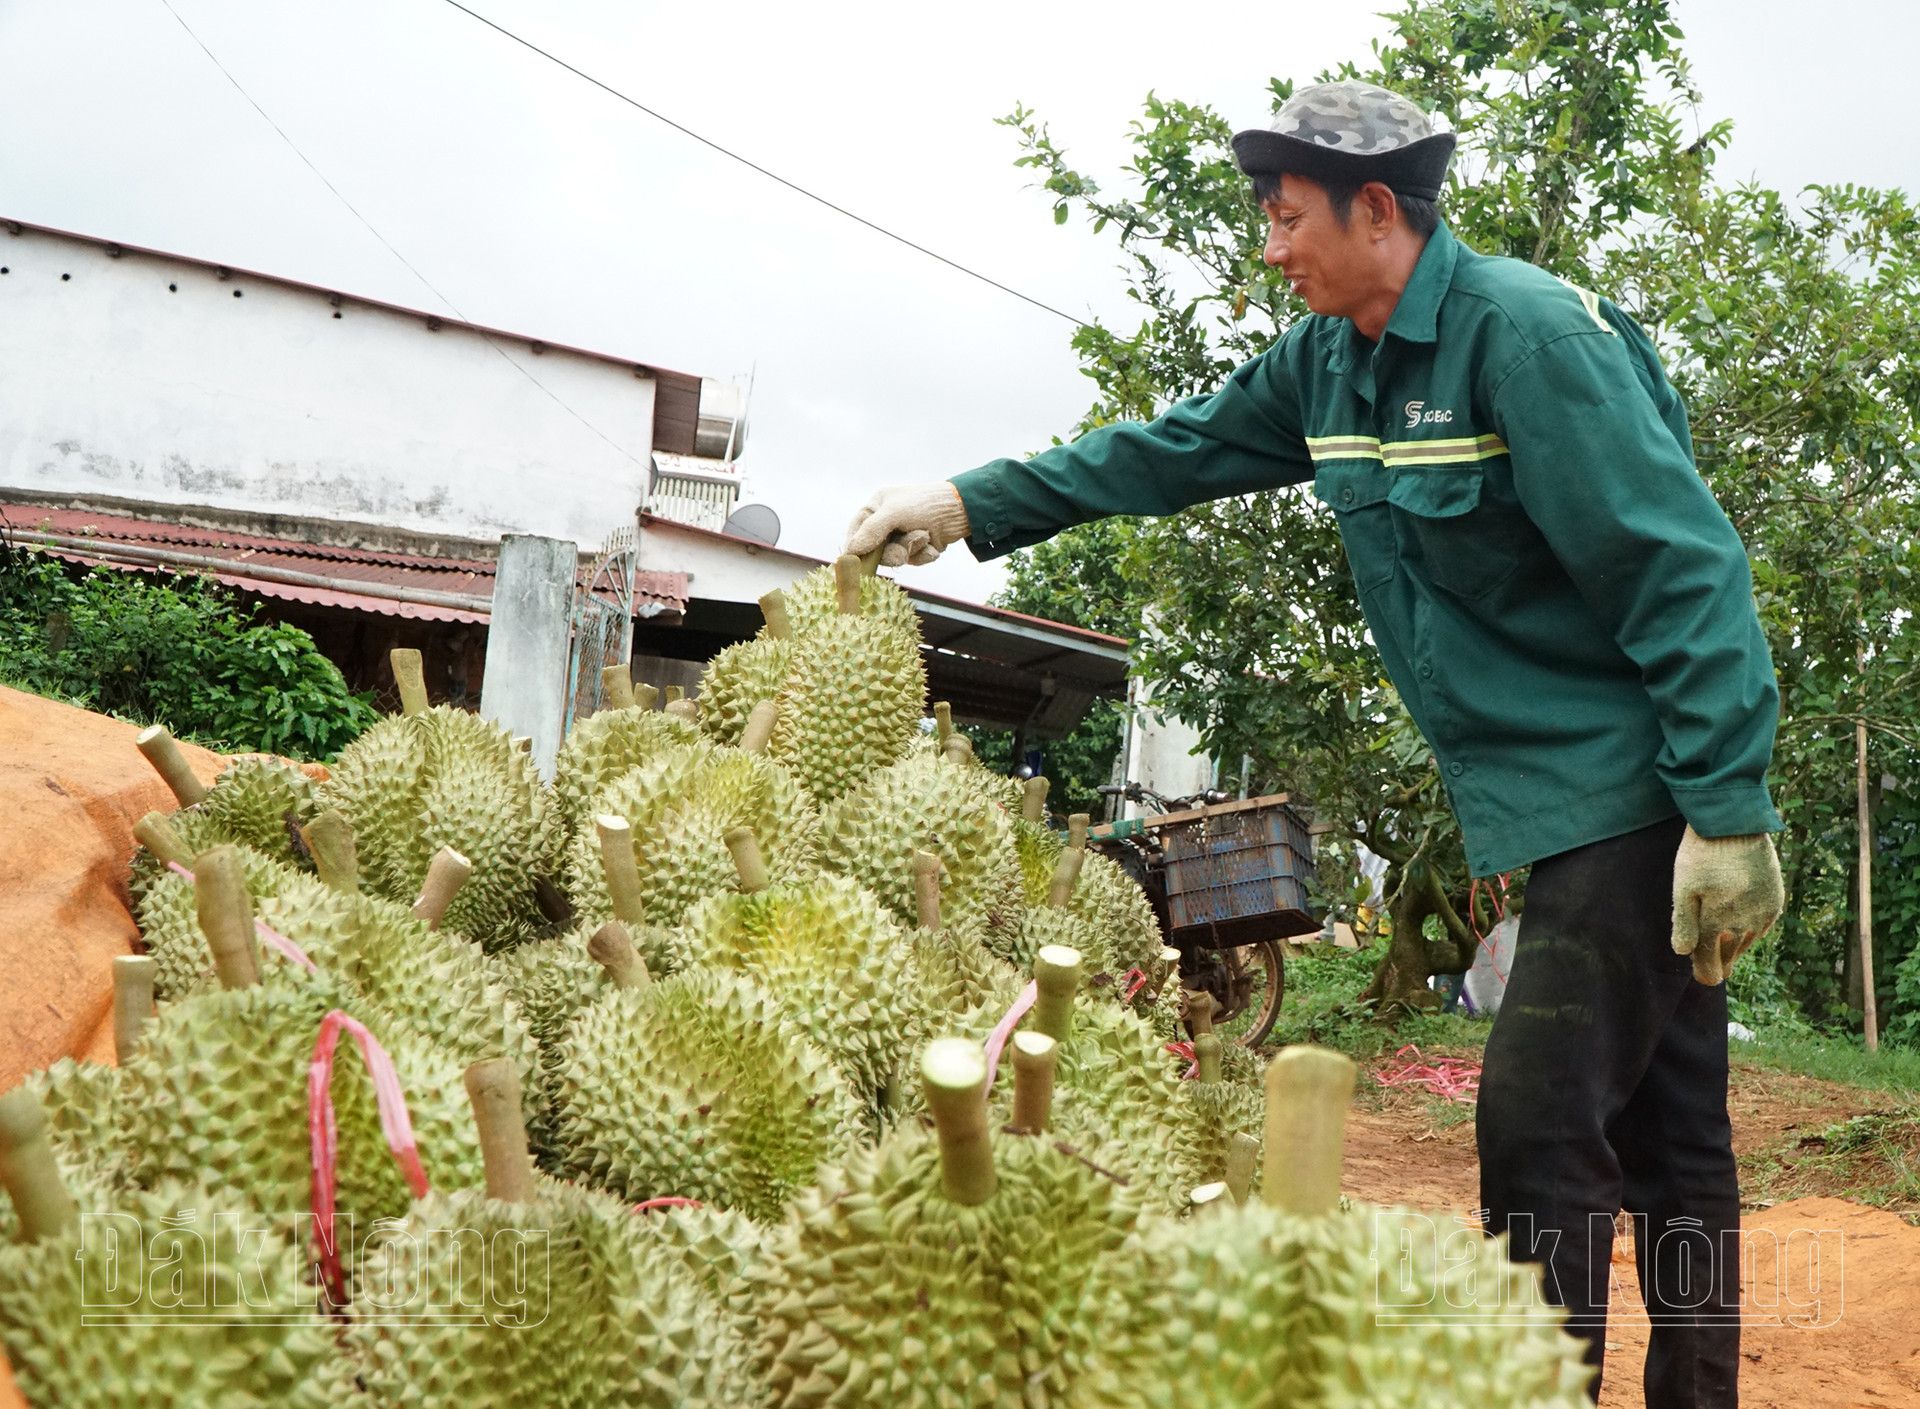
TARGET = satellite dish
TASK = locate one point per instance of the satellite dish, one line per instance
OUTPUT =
(755, 521)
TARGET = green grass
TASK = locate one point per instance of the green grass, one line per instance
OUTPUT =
(1321, 1006)
(1844, 1060)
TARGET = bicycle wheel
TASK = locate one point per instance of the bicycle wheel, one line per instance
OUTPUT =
(1259, 963)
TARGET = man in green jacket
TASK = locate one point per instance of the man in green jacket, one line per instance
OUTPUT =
(1568, 615)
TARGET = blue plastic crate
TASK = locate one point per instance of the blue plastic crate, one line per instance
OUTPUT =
(1236, 866)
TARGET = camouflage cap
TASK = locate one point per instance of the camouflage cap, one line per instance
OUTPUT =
(1350, 131)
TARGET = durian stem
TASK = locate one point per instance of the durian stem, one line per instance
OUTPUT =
(688, 710)
(645, 696)
(41, 1203)
(612, 949)
(1208, 1195)
(622, 873)
(959, 748)
(942, 723)
(759, 731)
(1199, 1013)
(167, 760)
(1066, 875)
(411, 678)
(330, 839)
(675, 692)
(132, 1001)
(1057, 973)
(926, 888)
(1034, 1057)
(1207, 1048)
(225, 911)
(1077, 830)
(773, 607)
(493, 1088)
(1170, 966)
(955, 1075)
(847, 576)
(1308, 1089)
(1243, 1151)
(160, 837)
(1033, 800)
(616, 685)
(446, 873)
(870, 562)
(748, 863)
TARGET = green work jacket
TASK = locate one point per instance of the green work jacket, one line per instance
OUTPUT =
(1557, 596)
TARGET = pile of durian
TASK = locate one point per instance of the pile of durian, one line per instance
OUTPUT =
(776, 1053)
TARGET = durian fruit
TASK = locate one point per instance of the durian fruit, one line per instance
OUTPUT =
(746, 674)
(1110, 900)
(213, 1315)
(602, 747)
(700, 1087)
(680, 805)
(415, 783)
(1219, 1109)
(815, 599)
(943, 1267)
(923, 803)
(169, 920)
(567, 1301)
(80, 1106)
(1054, 923)
(834, 960)
(960, 976)
(1004, 792)
(853, 697)
(719, 1248)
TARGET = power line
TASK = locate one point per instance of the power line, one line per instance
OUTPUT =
(755, 166)
(407, 263)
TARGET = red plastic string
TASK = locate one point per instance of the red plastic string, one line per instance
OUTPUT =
(671, 1202)
(287, 948)
(1451, 1078)
(1499, 904)
(324, 1138)
(1184, 1051)
(1135, 980)
(997, 1040)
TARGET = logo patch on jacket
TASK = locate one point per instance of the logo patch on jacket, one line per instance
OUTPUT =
(1418, 415)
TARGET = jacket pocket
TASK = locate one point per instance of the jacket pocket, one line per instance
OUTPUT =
(1452, 534)
(1357, 492)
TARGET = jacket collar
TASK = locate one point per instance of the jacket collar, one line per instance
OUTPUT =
(1416, 317)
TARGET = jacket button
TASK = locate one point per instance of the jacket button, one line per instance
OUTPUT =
(1456, 769)
(1426, 672)
(1346, 496)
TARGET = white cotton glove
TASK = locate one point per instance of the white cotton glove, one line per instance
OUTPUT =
(914, 522)
(1727, 893)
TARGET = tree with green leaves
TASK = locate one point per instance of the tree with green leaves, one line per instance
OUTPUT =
(1787, 324)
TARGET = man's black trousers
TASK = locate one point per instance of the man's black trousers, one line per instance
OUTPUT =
(1605, 1088)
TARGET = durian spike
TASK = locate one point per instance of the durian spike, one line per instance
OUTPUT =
(1033, 800)
(926, 888)
(1066, 875)
(330, 839)
(41, 1202)
(1199, 1013)
(942, 723)
(132, 1000)
(493, 1088)
(1034, 1057)
(1077, 830)
(847, 574)
(523, 743)
(225, 911)
(955, 1072)
(959, 748)
(446, 873)
(1207, 1049)
(1308, 1089)
(688, 710)
(1170, 963)
(1056, 972)
(773, 607)
(1242, 1151)
(1209, 1195)
(159, 836)
(645, 696)
(167, 760)
(748, 863)
(675, 692)
(759, 730)
(616, 686)
(622, 872)
(412, 680)
(612, 949)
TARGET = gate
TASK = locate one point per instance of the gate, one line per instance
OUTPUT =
(602, 622)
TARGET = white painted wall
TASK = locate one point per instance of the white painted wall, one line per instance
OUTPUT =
(1159, 751)
(144, 377)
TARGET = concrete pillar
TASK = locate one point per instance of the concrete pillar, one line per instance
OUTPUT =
(525, 686)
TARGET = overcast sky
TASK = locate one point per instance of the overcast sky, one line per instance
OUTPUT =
(538, 204)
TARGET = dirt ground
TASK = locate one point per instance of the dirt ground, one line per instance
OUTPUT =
(1833, 1290)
